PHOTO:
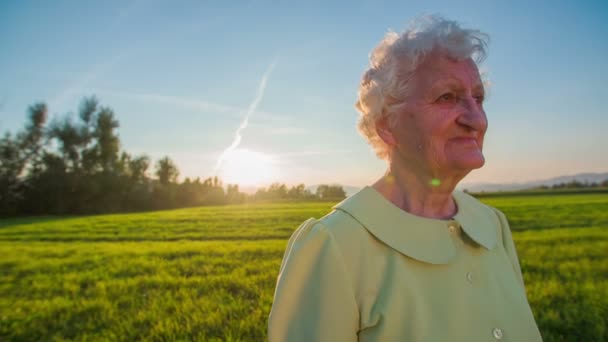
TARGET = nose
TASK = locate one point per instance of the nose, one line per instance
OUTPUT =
(473, 117)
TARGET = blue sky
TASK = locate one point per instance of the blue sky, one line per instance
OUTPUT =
(180, 76)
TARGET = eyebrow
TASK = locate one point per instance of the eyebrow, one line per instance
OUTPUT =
(455, 84)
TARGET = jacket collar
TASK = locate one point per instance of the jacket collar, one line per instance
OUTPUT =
(421, 238)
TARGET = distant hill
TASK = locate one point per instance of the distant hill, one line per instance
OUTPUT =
(487, 187)
(492, 187)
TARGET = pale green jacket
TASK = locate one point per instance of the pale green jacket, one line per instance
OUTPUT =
(369, 271)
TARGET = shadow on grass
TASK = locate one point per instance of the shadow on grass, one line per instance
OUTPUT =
(116, 239)
(9, 222)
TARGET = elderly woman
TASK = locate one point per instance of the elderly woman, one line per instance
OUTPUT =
(409, 258)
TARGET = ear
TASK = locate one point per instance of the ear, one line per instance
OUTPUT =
(383, 129)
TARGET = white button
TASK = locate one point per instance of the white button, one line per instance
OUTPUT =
(452, 227)
(470, 277)
(497, 332)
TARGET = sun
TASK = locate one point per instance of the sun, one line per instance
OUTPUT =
(248, 168)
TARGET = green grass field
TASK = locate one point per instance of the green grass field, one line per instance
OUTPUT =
(209, 273)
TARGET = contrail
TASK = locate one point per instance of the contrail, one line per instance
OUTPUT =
(252, 107)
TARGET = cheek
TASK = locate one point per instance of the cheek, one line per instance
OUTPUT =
(407, 130)
(443, 124)
(425, 126)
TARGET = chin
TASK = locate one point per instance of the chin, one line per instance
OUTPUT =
(469, 164)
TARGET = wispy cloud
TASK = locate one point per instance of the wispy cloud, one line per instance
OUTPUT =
(252, 107)
(77, 86)
(83, 80)
(124, 13)
(178, 101)
(297, 154)
(281, 127)
(202, 105)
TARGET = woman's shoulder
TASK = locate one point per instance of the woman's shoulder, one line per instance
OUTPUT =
(336, 231)
(336, 225)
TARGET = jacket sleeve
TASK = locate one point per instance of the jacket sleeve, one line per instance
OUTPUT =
(314, 298)
(509, 245)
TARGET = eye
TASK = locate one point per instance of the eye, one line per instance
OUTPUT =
(479, 98)
(447, 98)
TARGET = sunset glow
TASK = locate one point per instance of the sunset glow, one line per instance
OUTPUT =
(249, 168)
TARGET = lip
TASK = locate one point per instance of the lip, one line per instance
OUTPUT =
(465, 140)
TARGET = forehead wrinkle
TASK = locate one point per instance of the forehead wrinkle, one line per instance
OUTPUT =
(437, 71)
(479, 88)
(451, 83)
(458, 84)
(473, 76)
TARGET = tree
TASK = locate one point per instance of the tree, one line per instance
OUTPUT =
(326, 192)
(233, 195)
(212, 191)
(68, 136)
(298, 192)
(20, 157)
(277, 191)
(108, 143)
(11, 166)
(48, 192)
(138, 168)
(166, 171)
(32, 140)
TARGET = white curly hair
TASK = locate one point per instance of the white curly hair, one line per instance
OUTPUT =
(396, 57)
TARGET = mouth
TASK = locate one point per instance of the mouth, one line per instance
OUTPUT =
(465, 140)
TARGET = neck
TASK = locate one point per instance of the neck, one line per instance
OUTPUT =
(419, 194)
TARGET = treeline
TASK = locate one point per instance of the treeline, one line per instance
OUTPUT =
(575, 184)
(72, 166)
(277, 191)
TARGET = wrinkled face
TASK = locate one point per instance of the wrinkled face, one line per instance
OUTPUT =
(441, 127)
